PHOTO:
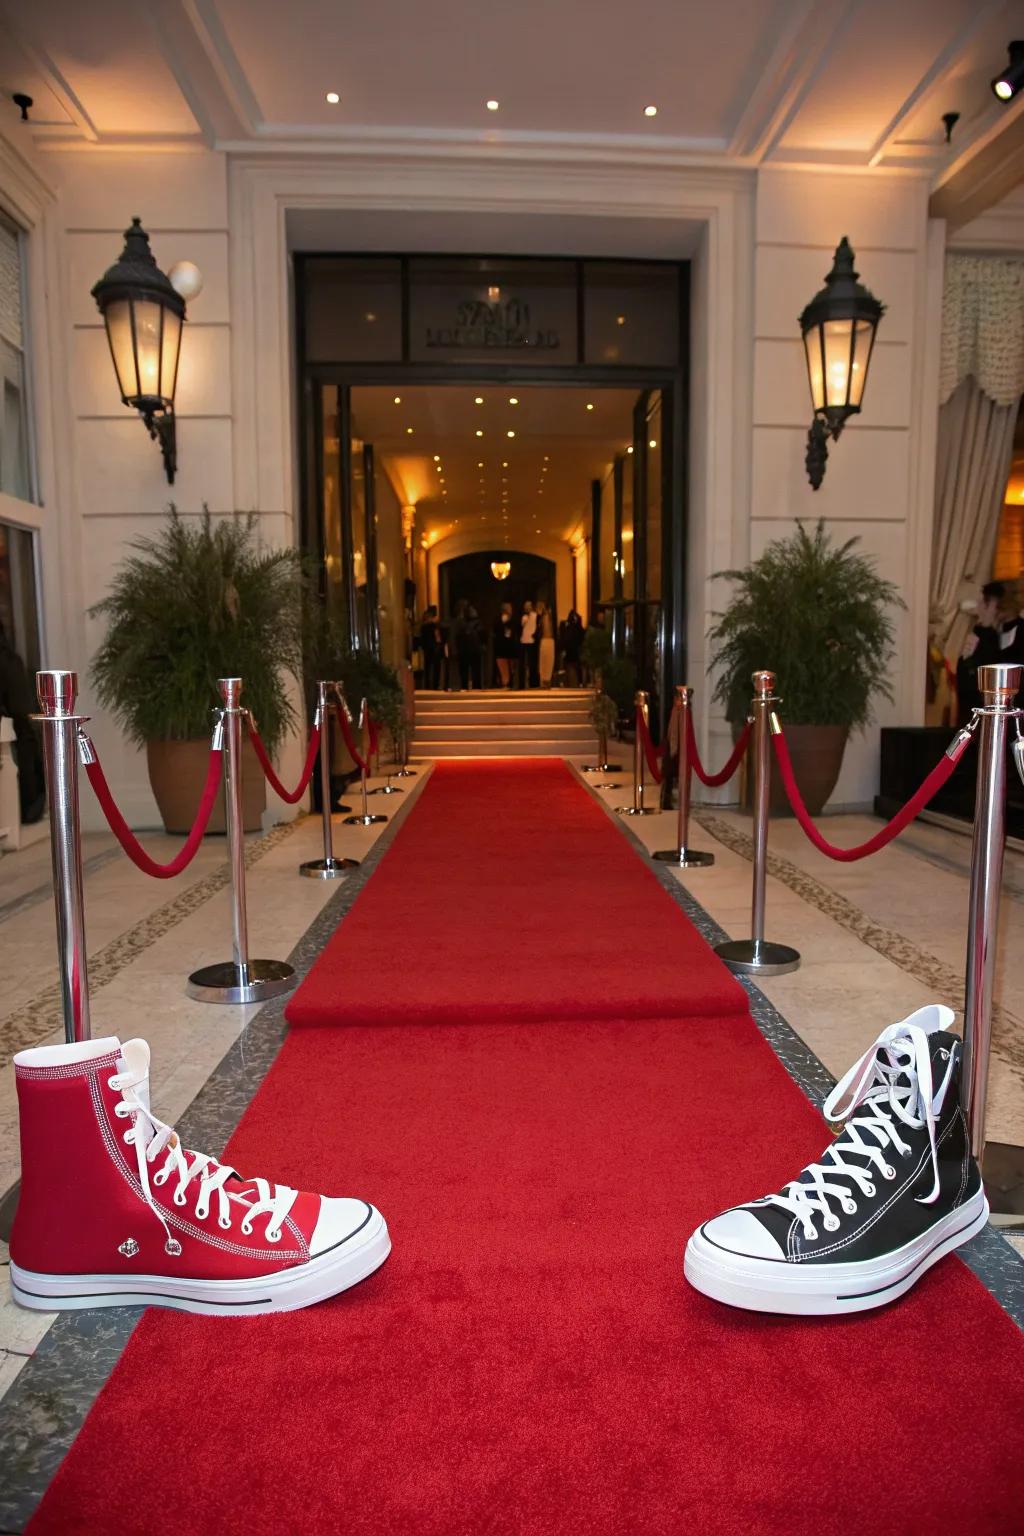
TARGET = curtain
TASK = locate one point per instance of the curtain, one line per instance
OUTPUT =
(981, 382)
(975, 448)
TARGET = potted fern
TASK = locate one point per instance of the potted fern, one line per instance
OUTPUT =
(820, 617)
(199, 601)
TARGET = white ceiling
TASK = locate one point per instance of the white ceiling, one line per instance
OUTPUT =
(855, 82)
(537, 481)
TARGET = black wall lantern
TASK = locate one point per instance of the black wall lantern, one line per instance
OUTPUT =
(838, 326)
(143, 316)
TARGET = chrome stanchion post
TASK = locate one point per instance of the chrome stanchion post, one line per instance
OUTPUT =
(755, 956)
(327, 868)
(238, 980)
(387, 788)
(683, 856)
(999, 686)
(365, 820)
(404, 771)
(57, 692)
(638, 808)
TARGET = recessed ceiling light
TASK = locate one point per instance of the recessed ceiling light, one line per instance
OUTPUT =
(479, 433)
(492, 105)
(504, 463)
(590, 405)
(479, 400)
(398, 399)
(441, 482)
(653, 443)
(510, 433)
(650, 111)
(437, 458)
(545, 458)
(620, 319)
(409, 431)
(630, 448)
(371, 317)
(479, 463)
(333, 98)
(513, 400)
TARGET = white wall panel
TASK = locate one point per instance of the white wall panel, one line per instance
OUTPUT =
(180, 191)
(782, 396)
(866, 478)
(787, 279)
(818, 208)
(119, 471)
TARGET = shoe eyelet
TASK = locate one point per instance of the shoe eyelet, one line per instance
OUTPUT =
(114, 1082)
(831, 1223)
(273, 1237)
(888, 1172)
(247, 1228)
(201, 1212)
(160, 1178)
(128, 1137)
(178, 1197)
(224, 1222)
(811, 1236)
(850, 1207)
(869, 1190)
(120, 1110)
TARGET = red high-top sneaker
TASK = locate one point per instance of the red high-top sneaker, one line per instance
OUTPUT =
(114, 1211)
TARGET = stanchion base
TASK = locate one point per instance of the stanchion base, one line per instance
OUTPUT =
(684, 858)
(386, 789)
(606, 785)
(227, 983)
(327, 869)
(631, 810)
(757, 957)
(602, 768)
(404, 773)
(363, 821)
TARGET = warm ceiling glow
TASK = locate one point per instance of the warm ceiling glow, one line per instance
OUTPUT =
(333, 98)
(650, 111)
(492, 105)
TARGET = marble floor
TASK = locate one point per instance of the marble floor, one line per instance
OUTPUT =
(877, 939)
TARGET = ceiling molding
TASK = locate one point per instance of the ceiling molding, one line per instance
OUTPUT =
(941, 68)
(784, 79)
(821, 45)
(41, 61)
(238, 93)
(982, 175)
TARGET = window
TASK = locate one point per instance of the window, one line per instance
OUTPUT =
(15, 477)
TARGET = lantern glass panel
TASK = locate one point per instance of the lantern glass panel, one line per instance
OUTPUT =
(863, 343)
(148, 346)
(169, 359)
(812, 346)
(838, 336)
(118, 319)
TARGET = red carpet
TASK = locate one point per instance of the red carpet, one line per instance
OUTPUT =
(530, 1362)
(508, 895)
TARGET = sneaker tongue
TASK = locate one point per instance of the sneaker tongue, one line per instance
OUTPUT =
(134, 1058)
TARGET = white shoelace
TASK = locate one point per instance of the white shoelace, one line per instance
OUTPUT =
(150, 1137)
(892, 1089)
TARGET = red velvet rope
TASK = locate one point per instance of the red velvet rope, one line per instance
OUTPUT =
(349, 739)
(657, 769)
(917, 802)
(290, 796)
(714, 780)
(130, 843)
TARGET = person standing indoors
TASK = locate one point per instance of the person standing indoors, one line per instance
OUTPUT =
(570, 638)
(469, 652)
(545, 645)
(528, 647)
(982, 648)
(506, 646)
(457, 648)
(432, 646)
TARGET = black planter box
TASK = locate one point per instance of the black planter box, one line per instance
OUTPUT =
(910, 752)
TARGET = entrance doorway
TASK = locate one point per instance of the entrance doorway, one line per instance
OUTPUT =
(458, 411)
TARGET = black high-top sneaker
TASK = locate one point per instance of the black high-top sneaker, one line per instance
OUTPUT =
(896, 1190)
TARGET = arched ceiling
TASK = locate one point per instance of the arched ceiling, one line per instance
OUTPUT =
(745, 82)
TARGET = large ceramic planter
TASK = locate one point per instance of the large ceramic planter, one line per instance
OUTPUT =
(177, 772)
(816, 752)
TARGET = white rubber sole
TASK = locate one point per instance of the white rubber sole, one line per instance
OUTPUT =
(818, 1290)
(336, 1270)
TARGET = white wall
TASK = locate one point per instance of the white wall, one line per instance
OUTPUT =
(879, 483)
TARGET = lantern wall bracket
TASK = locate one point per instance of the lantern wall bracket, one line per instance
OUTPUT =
(817, 452)
(161, 428)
